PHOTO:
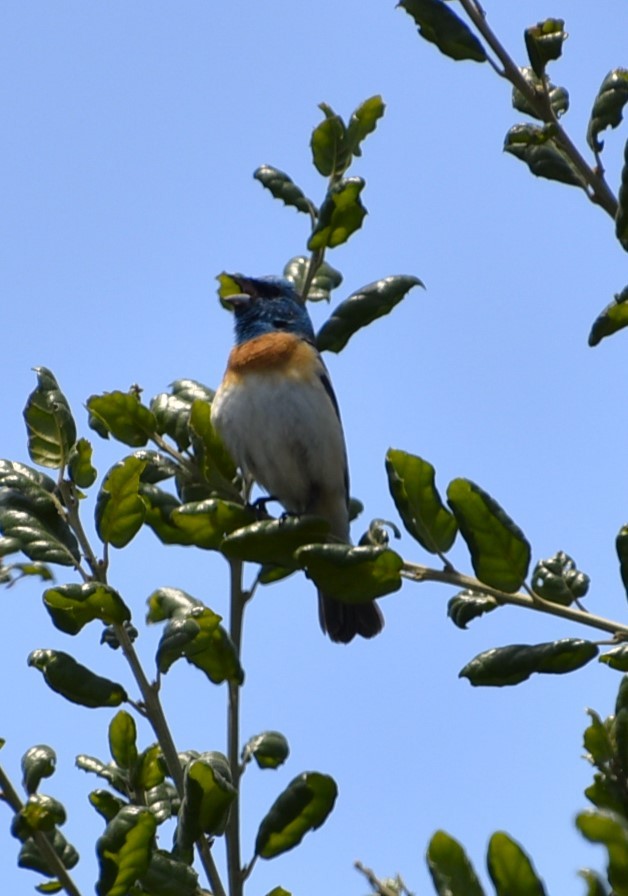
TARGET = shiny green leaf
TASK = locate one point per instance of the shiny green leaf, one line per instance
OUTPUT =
(208, 792)
(303, 806)
(537, 147)
(206, 523)
(74, 681)
(21, 477)
(124, 850)
(106, 804)
(167, 876)
(73, 606)
(120, 510)
(340, 215)
(37, 763)
(160, 505)
(438, 24)
(202, 641)
(269, 749)
(275, 541)
(502, 666)
(510, 868)
(39, 813)
(80, 468)
(106, 770)
(123, 739)
(122, 415)
(558, 96)
(30, 856)
(30, 517)
(621, 218)
(500, 553)
(149, 770)
(218, 468)
(621, 546)
(162, 800)
(352, 575)
(608, 106)
(363, 122)
(609, 829)
(452, 872)
(544, 43)
(49, 422)
(468, 605)
(326, 278)
(558, 580)
(167, 603)
(330, 154)
(172, 410)
(611, 319)
(616, 658)
(362, 308)
(411, 484)
(596, 886)
(282, 187)
(157, 466)
(597, 741)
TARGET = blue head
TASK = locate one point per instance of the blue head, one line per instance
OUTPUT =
(268, 305)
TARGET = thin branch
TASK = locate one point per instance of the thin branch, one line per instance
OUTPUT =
(232, 834)
(600, 194)
(42, 840)
(532, 601)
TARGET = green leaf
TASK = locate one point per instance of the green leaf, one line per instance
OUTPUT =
(452, 872)
(559, 581)
(558, 96)
(537, 147)
(120, 510)
(108, 771)
(502, 666)
(80, 468)
(438, 24)
(283, 187)
(73, 606)
(621, 219)
(106, 804)
(611, 319)
(75, 682)
(21, 477)
(122, 739)
(609, 829)
(162, 800)
(411, 484)
(597, 741)
(206, 523)
(208, 792)
(275, 541)
(167, 603)
(278, 891)
(39, 813)
(269, 749)
(218, 468)
(544, 43)
(363, 122)
(621, 546)
(30, 856)
(595, 885)
(49, 422)
(303, 806)
(149, 770)
(325, 279)
(499, 550)
(617, 658)
(468, 605)
(330, 154)
(30, 517)
(122, 415)
(340, 215)
(510, 868)
(160, 505)
(37, 763)
(167, 876)
(124, 850)
(352, 575)
(157, 466)
(199, 637)
(608, 106)
(362, 308)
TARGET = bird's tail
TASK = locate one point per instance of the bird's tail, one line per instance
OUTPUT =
(342, 622)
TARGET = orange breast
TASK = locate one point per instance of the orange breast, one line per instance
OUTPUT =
(282, 353)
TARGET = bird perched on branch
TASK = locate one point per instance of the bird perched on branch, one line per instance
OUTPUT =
(277, 414)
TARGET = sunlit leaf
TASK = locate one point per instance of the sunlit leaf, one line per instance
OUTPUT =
(608, 106)
(75, 605)
(468, 605)
(122, 415)
(411, 481)
(269, 749)
(303, 806)
(325, 280)
(208, 793)
(438, 24)
(124, 850)
(452, 872)
(609, 829)
(611, 319)
(502, 666)
(37, 763)
(281, 186)
(544, 43)
(510, 868)
(120, 511)
(49, 422)
(80, 464)
(351, 575)
(74, 681)
(340, 215)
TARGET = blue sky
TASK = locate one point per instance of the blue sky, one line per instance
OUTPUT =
(131, 131)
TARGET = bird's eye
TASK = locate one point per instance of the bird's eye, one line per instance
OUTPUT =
(280, 323)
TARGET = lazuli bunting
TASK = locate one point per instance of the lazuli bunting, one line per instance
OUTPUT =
(278, 417)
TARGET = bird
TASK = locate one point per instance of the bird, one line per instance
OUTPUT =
(276, 412)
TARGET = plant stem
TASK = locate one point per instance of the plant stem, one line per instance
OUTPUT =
(600, 194)
(42, 840)
(530, 601)
(159, 724)
(232, 834)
